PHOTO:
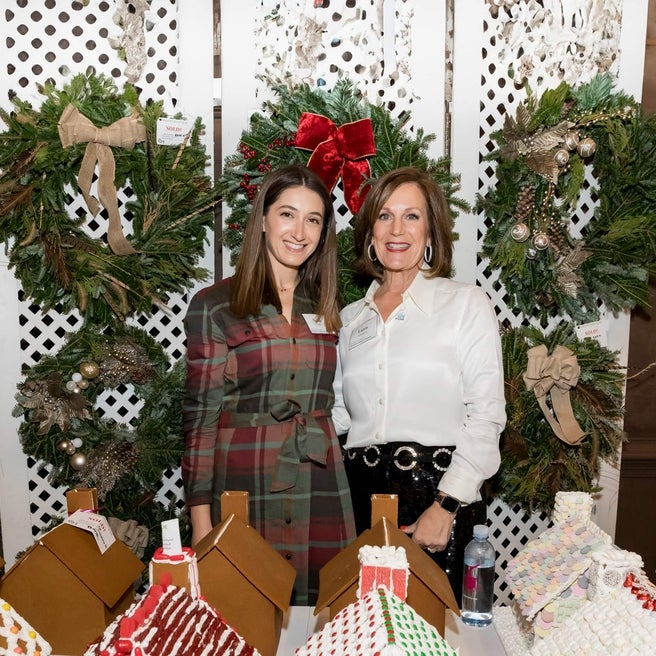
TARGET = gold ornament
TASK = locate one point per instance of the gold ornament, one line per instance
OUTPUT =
(520, 232)
(586, 147)
(561, 157)
(78, 461)
(70, 448)
(541, 241)
(63, 445)
(571, 140)
(89, 370)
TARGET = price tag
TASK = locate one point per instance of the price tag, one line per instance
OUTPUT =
(172, 131)
(97, 525)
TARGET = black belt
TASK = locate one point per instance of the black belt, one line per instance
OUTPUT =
(404, 455)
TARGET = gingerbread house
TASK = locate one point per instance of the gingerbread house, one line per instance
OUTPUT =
(243, 577)
(380, 621)
(574, 591)
(17, 636)
(429, 591)
(68, 590)
(167, 620)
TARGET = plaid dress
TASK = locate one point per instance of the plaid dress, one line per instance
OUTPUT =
(257, 418)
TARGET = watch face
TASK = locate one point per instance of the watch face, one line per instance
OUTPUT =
(449, 504)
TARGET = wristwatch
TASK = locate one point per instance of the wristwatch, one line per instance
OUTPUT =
(450, 504)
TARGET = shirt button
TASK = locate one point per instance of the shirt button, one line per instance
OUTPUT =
(380, 365)
(381, 401)
(288, 520)
(378, 436)
(292, 376)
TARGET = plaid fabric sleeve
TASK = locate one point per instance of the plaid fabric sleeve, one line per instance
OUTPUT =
(206, 359)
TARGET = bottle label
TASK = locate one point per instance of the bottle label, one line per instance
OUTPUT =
(471, 576)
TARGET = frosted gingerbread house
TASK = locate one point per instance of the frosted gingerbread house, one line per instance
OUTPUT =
(17, 636)
(379, 621)
(575, 592)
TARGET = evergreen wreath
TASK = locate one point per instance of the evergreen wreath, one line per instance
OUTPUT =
(63, 427)
(170, 204)
(543, 158)
(535, 464)
(272, 141)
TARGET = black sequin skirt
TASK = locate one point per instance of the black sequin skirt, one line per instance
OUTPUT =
(412, 472)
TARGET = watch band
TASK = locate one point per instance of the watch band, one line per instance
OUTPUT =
(450, 504)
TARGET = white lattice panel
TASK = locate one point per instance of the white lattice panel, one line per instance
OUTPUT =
(51, 40)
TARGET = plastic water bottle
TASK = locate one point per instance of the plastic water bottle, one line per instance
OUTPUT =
(478, 579)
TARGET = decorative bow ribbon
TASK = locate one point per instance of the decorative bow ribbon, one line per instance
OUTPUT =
(338, 151)
(555, 375)
(75, 128)
(306, 442)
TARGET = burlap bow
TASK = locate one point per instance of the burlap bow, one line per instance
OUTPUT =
(135, 536)
(76, 128)
(555, 375)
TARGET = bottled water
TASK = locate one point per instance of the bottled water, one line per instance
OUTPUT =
(478, 579)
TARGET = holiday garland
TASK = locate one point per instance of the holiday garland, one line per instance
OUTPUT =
(535, 463)
(546, 264)
(360, 140)
(63, 426)
(170, 201)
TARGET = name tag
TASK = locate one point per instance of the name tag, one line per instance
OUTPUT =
(364, 333)
(316, 325)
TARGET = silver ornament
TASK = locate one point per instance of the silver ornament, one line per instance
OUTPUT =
(586, 147)
(571, 140)
(531, 253)
(520, 232)
(78, 461)
(561, 157)
(541, 241)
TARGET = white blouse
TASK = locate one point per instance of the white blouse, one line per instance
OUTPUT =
(432, 374)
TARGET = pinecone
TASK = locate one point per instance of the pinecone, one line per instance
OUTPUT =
(557, 240)
(525, 204)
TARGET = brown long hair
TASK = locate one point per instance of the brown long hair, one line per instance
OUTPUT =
(439, 221)
(254, 280)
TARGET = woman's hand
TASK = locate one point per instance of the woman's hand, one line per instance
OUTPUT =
(201, 523)
(432, 529)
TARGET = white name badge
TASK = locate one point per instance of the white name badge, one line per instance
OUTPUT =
(316, 325)
(364, 333)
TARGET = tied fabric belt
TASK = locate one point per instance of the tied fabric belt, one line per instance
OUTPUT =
(306, 441)
(403, 455)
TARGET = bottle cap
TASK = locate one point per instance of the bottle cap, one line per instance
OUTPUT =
(481, 531)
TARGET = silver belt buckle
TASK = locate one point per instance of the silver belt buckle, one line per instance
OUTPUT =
(411, 451)
(436, 453)
(365, 457)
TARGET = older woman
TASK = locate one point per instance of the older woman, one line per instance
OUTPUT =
(419, 386)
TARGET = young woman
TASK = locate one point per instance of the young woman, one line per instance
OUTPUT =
(261, 357)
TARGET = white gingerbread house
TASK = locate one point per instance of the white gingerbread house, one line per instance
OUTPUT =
(573, 591)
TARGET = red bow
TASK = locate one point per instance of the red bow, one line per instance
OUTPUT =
(338, 151)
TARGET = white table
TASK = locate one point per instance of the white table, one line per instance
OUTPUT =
(300, 622)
